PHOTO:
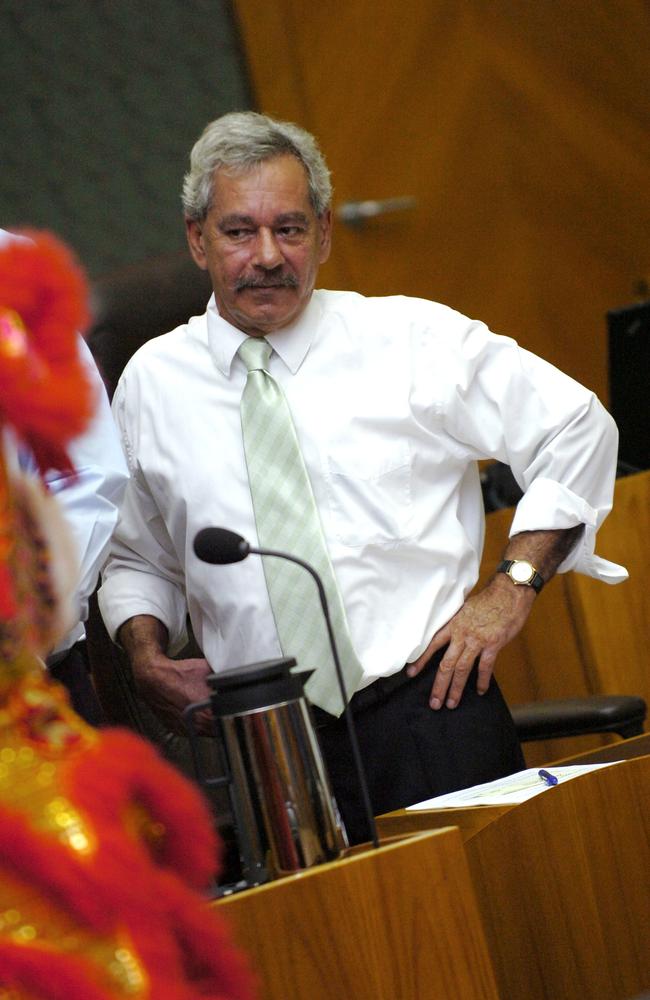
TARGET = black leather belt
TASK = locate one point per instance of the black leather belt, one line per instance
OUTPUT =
(379, 690)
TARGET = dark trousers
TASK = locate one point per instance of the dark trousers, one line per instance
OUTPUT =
(411, 753)
(73, 671)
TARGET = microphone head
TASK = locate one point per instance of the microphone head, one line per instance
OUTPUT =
(220, 546)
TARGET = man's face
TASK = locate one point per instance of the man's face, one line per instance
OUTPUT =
(262, 244)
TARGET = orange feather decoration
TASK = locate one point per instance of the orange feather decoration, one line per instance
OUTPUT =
(104, 848)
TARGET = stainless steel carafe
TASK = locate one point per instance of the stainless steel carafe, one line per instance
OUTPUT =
(285, 815)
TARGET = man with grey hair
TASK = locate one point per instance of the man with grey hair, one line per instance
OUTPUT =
(238, 142)
(348, 428)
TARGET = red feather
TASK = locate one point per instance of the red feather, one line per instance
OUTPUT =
(45, 393)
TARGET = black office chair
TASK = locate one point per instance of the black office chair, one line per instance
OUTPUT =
(135, 303)
(556, 718)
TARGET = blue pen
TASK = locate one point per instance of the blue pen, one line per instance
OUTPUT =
(550, 779)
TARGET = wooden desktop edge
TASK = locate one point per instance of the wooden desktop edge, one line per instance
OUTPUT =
(635, 746)
(392, 840)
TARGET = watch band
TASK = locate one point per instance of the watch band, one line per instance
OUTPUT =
(533, 580)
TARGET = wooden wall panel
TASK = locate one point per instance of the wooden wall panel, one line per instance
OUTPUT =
(583, 636)
(521, 128)
(613, 623)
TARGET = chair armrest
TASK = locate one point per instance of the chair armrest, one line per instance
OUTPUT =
(553, 718)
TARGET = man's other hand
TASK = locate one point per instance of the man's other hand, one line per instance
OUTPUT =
(169, 686)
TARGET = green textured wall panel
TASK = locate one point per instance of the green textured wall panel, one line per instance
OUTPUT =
(100, 102)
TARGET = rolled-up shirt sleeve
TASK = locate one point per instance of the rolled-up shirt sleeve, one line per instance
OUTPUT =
(142, 575)
(571, 479)
(559, 441)
(549, 505)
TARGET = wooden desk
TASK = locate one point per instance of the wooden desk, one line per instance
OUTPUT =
(563, 884)
(398, 923)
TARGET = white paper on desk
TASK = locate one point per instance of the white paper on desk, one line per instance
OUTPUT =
(507, 791)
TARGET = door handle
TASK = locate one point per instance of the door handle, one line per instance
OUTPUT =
(355, 213)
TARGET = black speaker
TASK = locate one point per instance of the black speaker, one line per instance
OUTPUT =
(629, 363)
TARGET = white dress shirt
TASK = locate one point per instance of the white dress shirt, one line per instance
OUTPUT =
(90, 499)
(394, 401)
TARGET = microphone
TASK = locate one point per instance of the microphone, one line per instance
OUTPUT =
(219, 546)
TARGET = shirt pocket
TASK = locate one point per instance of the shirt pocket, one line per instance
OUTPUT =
(369, 495)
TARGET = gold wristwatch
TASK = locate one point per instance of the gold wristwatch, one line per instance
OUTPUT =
(522, 573)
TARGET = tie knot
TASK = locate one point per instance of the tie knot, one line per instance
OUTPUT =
(255, 353)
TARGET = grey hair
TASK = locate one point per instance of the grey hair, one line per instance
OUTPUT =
(240, 140)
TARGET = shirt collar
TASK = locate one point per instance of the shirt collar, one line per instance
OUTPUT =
(291, 343)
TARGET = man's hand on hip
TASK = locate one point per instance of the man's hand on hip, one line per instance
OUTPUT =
(479, 630)
(488, 620)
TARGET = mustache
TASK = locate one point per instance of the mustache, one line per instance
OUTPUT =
(267, 281)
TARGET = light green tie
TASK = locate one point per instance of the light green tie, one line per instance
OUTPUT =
(287, 519)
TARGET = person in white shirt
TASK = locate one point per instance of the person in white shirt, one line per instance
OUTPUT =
(89, 500)
(394, 401)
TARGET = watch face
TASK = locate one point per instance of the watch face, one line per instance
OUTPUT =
(521, 571)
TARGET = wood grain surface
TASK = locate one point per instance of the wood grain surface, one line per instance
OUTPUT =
(520, 128)
(398, 923)
(562, 883)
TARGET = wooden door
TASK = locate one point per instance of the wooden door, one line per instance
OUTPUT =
(520, 128)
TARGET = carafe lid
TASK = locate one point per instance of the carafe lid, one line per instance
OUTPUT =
(256, 686)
